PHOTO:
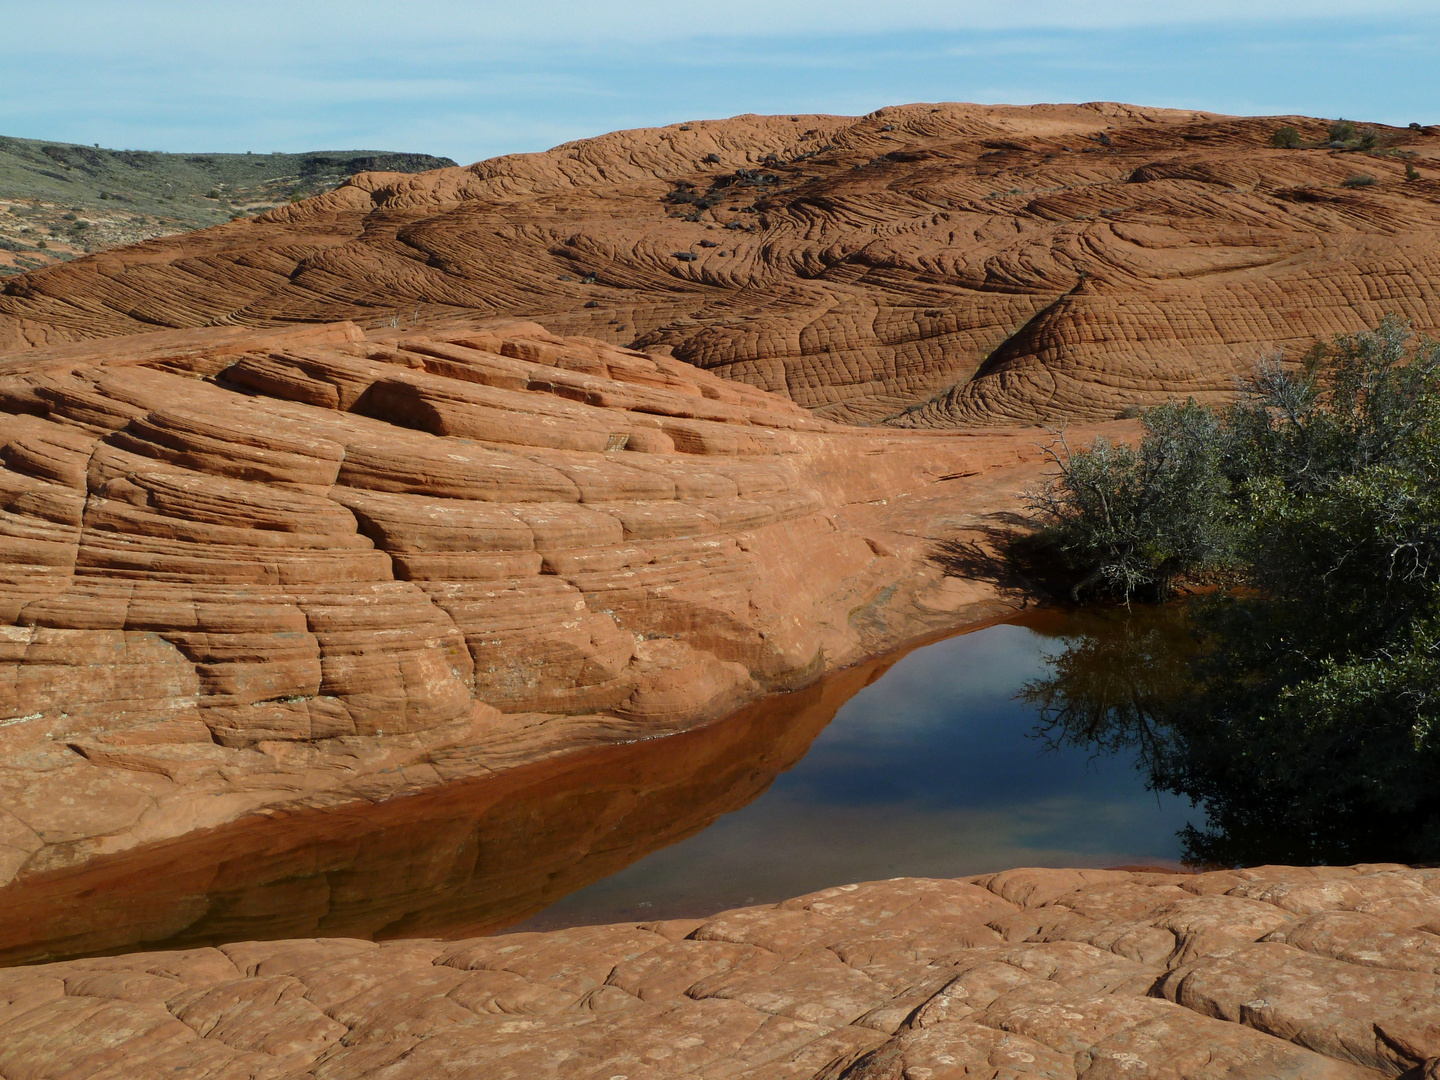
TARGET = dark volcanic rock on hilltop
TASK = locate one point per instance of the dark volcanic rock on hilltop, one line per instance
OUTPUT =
(961, 262)
(58, 200)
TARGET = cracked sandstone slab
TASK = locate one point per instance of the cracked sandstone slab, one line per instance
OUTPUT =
(1055, 974)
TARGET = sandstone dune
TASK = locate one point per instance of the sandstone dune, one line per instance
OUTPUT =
(1054, 974)
(924, 265)
(247, 571)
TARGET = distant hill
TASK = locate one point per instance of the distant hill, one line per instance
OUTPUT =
(925, 265)
(58, 200)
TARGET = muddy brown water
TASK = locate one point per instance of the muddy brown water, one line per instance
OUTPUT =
(921, 764)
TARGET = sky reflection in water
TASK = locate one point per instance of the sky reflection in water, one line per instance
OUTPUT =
(931, 771)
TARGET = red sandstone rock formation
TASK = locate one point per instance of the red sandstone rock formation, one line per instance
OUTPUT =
(251, 570)
(1026, 974)
(308, 569)
(464, 858)
(960, 262)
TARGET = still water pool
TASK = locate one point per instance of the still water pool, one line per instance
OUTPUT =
(935, 769)
(927, 765)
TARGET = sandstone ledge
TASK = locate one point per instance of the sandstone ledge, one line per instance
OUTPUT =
(242, 571)
(1268, 972)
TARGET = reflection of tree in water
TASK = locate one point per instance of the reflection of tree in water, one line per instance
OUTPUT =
(1201, 699)
(1110, 686)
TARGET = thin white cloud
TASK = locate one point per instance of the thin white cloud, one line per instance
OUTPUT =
(447, 27)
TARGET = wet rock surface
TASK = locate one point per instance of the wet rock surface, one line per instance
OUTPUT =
(459, 859)
(247, 571)
(926, 264)
(1266, 972)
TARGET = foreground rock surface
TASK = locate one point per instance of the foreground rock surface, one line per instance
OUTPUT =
(241, 571)
(1057, 974)
(925, 264)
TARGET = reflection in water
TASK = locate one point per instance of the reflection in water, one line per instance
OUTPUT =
(460, 860)
(1110, 689)
(1191, 699)
(931, 770)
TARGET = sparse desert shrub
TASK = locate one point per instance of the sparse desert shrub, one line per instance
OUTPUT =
(1287, 138)
(1343, 131)
(1358, 180)
(1129, 520)
(1411, 173)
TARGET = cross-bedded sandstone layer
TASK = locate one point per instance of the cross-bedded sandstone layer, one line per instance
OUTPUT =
(1056, 974)
(926, 264)
(247, 570)
(460, 859)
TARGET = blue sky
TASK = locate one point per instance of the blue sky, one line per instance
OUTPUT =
(471, 80)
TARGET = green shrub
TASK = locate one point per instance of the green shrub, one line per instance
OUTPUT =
(1129, 520)
(1287, 138)
(1309, 725)
(1358, 180)
(1343, 131)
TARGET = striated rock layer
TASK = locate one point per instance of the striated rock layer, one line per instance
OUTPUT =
(241, 571)
(458, 860)
(928, 264)
(1321, 974)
